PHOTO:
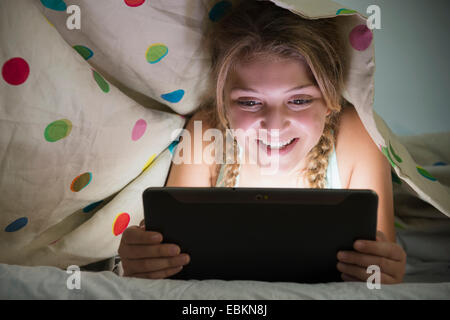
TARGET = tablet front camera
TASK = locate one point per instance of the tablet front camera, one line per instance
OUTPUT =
(258, 197)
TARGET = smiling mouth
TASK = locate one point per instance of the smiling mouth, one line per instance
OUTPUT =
(280, 149)
(277, 145)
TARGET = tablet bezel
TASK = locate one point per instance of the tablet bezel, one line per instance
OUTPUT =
(187, 228)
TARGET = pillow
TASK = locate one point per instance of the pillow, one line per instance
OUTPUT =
(70, 144)
(152, 47)
(431, 152)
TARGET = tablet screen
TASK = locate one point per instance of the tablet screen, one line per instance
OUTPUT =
(264, 234)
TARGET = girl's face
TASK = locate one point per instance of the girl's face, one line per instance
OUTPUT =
(276, 94)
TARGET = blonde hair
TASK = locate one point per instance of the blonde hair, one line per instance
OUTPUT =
(261, 29)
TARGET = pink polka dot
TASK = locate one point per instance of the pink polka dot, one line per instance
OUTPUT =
(15, 71)
(139, 129)
(361, 37)
(134, 3)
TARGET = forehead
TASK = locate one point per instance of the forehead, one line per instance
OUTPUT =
(269, 71)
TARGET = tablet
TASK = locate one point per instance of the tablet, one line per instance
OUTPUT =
(262, 234)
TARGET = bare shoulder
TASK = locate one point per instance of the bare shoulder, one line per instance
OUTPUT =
(190, 172)
(352, 134)
(351, 137)
(366, 167)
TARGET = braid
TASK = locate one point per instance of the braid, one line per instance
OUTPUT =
(317, 158)
(231, 165)
(231, 170)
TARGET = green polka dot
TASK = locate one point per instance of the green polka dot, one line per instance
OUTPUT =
(156, 52)
(58, 130)
(425, 173)
(101, 82)
(345, 11)
(85, 52)
(399, 160)
(386, 153)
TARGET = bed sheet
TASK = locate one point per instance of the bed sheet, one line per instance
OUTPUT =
(22, 282)
(427, 277)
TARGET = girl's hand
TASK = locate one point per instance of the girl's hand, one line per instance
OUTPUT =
(388, 256)
(143, 255)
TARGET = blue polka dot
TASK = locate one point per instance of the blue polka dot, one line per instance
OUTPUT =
(92, 206)
(17, 224)
(173, 145)
(174, 96)
(219, 10)
(58, 5)
(440, 163)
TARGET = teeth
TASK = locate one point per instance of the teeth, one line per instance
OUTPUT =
(278, 145)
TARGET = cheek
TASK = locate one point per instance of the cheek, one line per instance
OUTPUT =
(309, 123)
(241, 120)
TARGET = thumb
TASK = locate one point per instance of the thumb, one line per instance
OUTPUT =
(381, 236)
(142, 224)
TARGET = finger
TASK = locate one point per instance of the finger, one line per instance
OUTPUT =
(136, 235)
(381, 236)
(142, 223)
(132, 252)
(386, 249)
(346, 277)
(353, 271)
(155, 264)
(365, 260)
(161, 274)
(361, 273)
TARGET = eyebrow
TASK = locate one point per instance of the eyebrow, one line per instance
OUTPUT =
(255, 91)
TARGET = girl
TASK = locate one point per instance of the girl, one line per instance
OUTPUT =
(274, 72)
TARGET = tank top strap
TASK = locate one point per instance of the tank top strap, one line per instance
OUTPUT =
(333, 179)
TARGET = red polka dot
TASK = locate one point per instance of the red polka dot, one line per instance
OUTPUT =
(361, 37)
(121, 223)
(15, 71)
(134, 3)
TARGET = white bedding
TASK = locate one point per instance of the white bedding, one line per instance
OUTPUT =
(427, 277)
(50, 283)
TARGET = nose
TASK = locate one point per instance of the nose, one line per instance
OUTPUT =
(275, 118)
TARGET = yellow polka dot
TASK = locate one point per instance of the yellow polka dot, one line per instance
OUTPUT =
(49, 22)
(149, 162)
